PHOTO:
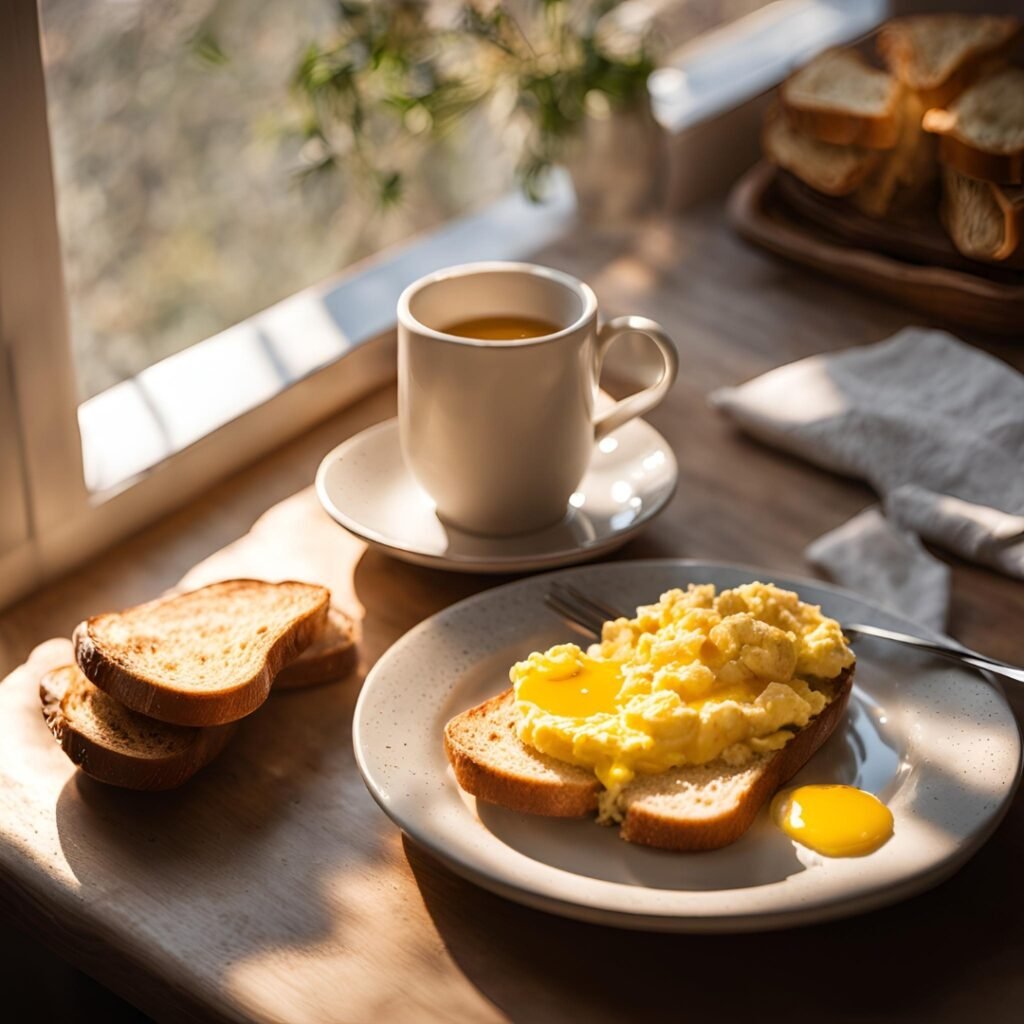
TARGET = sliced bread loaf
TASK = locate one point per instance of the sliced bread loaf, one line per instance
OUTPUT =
(824, 166)
(693, 808)
(938, 55)
(841, 99)
(116, 745)
(982, 133)
(203, 658)
(985, 221)
(330, 657)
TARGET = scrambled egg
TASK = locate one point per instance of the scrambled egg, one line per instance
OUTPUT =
(695, 677)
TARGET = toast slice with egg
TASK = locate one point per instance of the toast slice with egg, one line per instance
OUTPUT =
(118, 746)
(701, 807)
(492, 763)
(202, 658)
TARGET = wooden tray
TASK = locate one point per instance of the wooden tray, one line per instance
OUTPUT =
(911, 263)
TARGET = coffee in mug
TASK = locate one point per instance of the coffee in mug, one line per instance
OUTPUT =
(501, 328)
(497, 422)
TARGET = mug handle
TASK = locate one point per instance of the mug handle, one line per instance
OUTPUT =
(643, 401)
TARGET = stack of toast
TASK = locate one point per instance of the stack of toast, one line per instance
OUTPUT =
(945, 114)
(157, 690)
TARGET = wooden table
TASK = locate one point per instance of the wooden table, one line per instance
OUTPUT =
(272, 887)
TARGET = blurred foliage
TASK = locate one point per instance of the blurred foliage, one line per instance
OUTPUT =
(381, 61)
(177, 131)
(402, 70)
(176, 137)
(205, 45)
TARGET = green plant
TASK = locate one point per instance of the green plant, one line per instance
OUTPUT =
(396, 74)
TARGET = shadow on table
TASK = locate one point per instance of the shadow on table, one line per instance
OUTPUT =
(272, 845)
(40, 987)
(910, 962)
(197, 863)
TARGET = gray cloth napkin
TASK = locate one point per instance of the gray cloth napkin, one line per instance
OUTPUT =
(935, 426)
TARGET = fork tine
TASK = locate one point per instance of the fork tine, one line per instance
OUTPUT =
(606, 611)
(573, 614)
(577, 608)
(572, 608)
(576, 613)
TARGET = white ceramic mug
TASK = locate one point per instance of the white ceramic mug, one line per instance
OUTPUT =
(500, 433)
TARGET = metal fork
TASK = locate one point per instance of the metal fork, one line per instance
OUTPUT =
(588, 615)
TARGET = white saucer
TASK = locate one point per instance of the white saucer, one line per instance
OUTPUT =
(365, 486)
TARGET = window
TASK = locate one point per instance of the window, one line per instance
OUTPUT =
(178, 154)
(196, 323)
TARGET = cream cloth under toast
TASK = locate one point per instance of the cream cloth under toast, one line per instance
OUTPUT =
(935, 426)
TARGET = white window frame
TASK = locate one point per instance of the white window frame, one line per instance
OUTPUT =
(51, 520)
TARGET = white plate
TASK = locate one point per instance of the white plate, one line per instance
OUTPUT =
(365, 486)
(938, 744)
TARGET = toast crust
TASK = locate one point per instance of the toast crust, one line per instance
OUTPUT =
(644, 826)
(897, 46)
(1012, 206)
(788, 149)
(842, 129)
(552, 797)
(965, 129)
(1008, 207)
(331, 657)
(571, 793)
(183, 705)
(193, 748)
(326, 668)
(998, 168)
(815, 117)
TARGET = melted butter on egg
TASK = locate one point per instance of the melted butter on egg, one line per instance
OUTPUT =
(837, 821)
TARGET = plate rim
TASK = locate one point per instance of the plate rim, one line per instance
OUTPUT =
(806, 913)
(487, 563)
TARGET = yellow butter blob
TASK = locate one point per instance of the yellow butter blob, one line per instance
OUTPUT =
(837, 821)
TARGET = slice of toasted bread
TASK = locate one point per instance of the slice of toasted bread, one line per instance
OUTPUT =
(693, 808)
(985, 221)
(982, 133)
(493, 764)
(841, 99)
(116, 745)
(205, 657)
(939, 55)
(330, 657)
(825, 167)
(710, 806)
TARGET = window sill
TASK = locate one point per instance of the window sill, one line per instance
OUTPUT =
(134, 426)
